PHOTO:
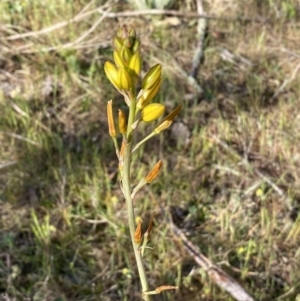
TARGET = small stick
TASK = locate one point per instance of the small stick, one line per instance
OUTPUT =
(217, 275)
(133, 14)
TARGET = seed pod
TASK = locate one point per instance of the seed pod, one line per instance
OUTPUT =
(153, 173)
(138, 232)
(122, 122)
(110, 120)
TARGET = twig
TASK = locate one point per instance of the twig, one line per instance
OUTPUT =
(7, 164)
(92, 28)
(16, 136)
(133, 14)
(31, 48)
(176, 13)
(218, 276)
(79, 17)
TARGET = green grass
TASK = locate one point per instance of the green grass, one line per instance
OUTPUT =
(63, 232)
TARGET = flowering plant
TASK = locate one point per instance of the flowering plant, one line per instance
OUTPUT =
(124, 74)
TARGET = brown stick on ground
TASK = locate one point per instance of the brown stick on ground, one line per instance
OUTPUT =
(218, 276)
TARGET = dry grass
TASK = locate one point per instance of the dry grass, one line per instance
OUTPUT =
(234, 188)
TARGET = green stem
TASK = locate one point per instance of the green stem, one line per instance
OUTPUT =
(131, 118)
(126, 181)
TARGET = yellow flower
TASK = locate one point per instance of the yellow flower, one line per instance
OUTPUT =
(124, 79)
(152, 112)
(111, 72)
(136, 63)
(148, 95)
(118, 60)
(152, 77)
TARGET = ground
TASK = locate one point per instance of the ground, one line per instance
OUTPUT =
(230, 163)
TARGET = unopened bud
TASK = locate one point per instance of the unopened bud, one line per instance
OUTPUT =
(148, 95)
(118, 60)
(128, 42)
(136, 46)
(117, 43)
(152, 112)
(111, 72)
(136, 63)
(124, 79)
(122, 32)
(152, 77)
(126, 55)
(131, 31)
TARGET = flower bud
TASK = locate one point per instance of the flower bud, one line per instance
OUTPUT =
(136, 63)
(126, 55)
(111, 72)
(153, 173)
(136, 46)
(131, 31)
(128, 42)
(110, 120)
(122, 122)
(148, 95)
(117, 43)
(124, 79)
(122, 32)
(152, 76)
(118, 60)
(152, 112)
(168, 120)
